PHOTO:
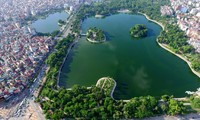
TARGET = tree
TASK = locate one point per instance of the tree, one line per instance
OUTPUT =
(196, 65)
(95, 34)
(139, 30)
(195, 102)
(166, 98)
(175, 107)
(164, 107)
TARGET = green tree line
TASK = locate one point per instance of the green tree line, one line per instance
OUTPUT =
(83, 103)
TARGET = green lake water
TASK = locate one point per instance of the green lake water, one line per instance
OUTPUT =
(140, 67)
(50, 23)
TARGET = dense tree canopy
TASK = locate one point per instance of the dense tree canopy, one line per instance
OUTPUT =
(95, 34)
(196, 62)
(195, 102)
(176, 39)
(139, 30)
(94, 103)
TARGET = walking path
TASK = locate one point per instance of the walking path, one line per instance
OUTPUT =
(182, 99)
(113, 89)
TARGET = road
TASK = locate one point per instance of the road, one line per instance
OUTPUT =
(68, 27)
(72, 18)
(36, 110)
(19, 101)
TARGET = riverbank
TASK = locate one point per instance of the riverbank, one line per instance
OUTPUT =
(166, 47)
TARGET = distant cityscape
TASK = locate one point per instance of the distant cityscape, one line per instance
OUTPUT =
(188, 18)
(21, 51)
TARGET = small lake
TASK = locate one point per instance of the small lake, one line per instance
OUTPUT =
(50, 23)
(140, 67)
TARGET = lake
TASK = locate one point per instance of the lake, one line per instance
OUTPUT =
(140, 66)
(50, 23)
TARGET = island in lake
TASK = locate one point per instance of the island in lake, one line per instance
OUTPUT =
(139, 30)
(61, 22)
(95, 35)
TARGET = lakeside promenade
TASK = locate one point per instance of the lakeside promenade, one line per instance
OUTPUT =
(166, 47)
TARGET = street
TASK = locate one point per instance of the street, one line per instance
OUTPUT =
(16, 106)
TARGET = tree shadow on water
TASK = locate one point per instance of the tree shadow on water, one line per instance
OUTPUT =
(151, 32)
(108, 36)
(120, 90)
(66, 67)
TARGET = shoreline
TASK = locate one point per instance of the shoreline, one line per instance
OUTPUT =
(147, 17)
(181, 57)
(124, 11)
(68, 51)
(98, 16)
(93, 41)
(65, 32)
(113, 89)
(166, 47)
